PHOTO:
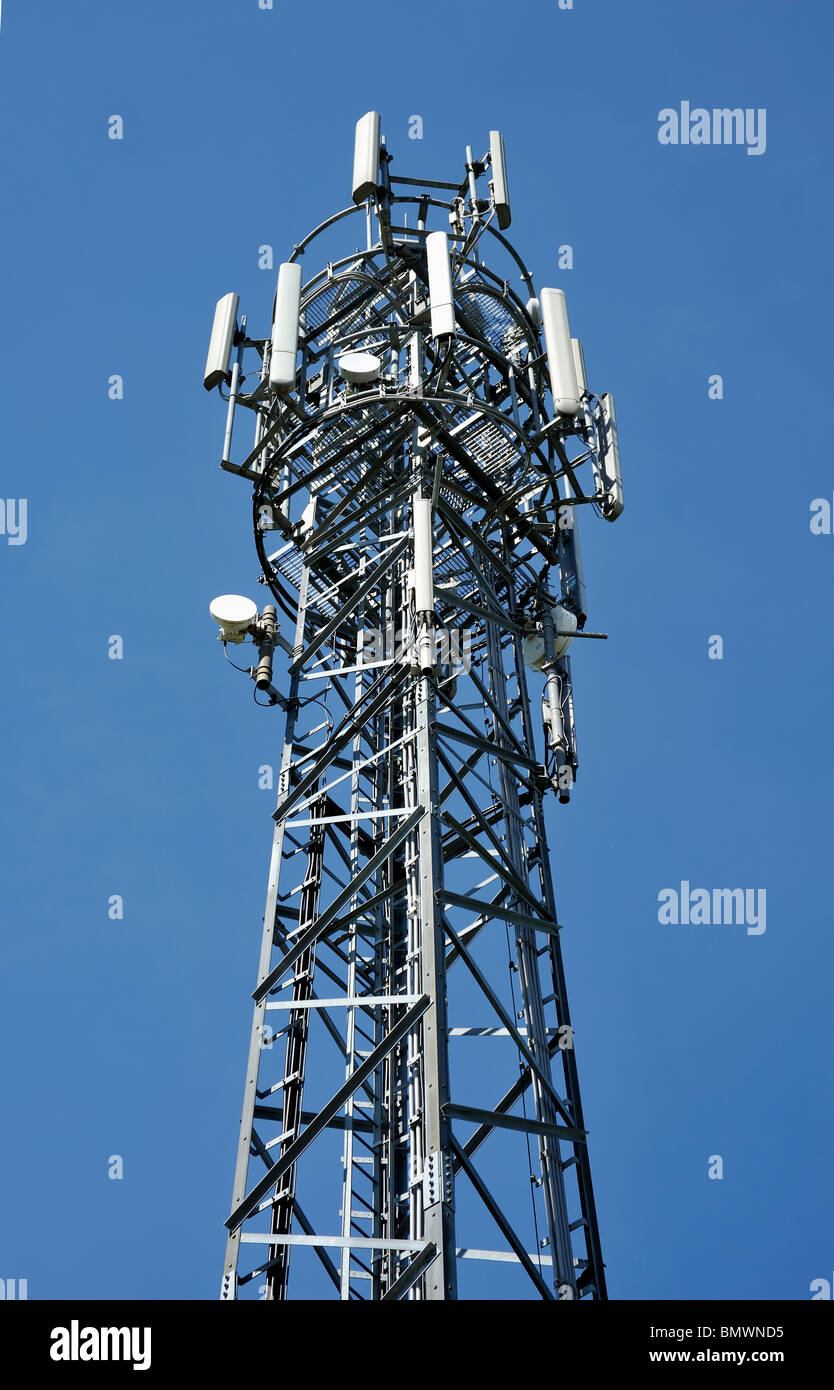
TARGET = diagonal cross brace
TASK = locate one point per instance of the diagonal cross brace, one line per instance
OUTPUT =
(353, 721)
(544, 1080)
(513, 882)
(497, 909)
(317, 928)
(412, 1272)
(501, 1221)
(293, 1151)
(352, 603)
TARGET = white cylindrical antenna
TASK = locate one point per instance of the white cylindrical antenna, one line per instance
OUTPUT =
(579, 366)
(222, 338)
(424, 582)
(366, 157)
(285, 327)
(500, 191)
(563, 383)
(423, 556)
(441, 297)
(534, 309)
(611, 504)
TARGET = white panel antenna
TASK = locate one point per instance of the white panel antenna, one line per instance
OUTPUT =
(222, 339)
(579, 366)
(423, 556)
(366, 157)
(611, 502)
(500, 191)
(285, 327)
(424, 581)
(560, 361)
(441, 296)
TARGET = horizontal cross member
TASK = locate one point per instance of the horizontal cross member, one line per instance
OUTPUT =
(497, 1119)
(499, 910)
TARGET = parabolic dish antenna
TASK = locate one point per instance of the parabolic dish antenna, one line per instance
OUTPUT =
(357, 367)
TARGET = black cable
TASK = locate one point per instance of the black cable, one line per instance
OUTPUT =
(247, 670)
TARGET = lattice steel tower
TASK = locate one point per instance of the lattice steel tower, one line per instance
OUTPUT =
(412, 1124)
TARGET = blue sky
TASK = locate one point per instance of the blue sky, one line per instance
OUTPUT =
(139, 777)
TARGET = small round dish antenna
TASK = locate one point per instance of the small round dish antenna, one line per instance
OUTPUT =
(359, 367)
(233, 615)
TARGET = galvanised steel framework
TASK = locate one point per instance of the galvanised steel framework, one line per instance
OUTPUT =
(412, 1080)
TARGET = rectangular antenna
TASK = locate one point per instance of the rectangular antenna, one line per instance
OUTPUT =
(560, 360)
(611, 503)
(441, 295)
(285, 326)
(423, 558)
(222, 338)
(500, 191)
(366, 157)
(579, 366)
